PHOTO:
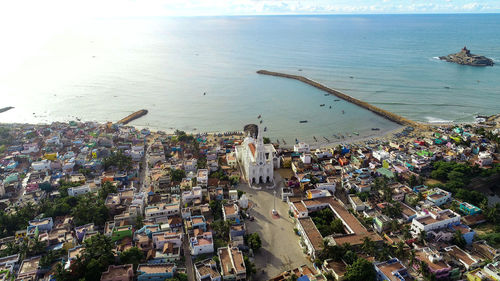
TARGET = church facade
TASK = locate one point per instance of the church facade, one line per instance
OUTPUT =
(257, 160)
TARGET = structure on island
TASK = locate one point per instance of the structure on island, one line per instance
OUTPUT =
(466, 58)
(257, 160)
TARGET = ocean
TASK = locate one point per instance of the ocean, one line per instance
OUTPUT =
(106, 68)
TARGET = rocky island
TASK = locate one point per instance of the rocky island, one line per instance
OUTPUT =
(466, 58)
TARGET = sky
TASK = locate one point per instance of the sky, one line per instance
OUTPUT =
(71, 9)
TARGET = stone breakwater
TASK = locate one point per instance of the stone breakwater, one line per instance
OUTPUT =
(133, 116)
(384, 113)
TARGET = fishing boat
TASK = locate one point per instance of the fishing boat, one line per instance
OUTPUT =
(322, 104)
(336, 100)
(375, 129)
(303, 121)
(205, 93)
(356, 133)
(326, 95)
(265, 129)
(330, 106)
(258, 117)
(260, 121)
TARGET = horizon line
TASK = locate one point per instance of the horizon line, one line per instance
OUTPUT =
(310, 14)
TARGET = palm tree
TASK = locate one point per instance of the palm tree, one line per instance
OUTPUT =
(394, 225)
(412, 257)
(422, 236)
(406, 232)
(368, 245)
(400, 250)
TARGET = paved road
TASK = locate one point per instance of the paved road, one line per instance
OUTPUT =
(280, 245)
(189, 261)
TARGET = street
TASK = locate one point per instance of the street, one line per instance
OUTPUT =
(280, 245)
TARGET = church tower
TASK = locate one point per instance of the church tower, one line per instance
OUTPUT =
(260, 150)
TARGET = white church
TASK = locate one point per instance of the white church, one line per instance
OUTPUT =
(257, 159)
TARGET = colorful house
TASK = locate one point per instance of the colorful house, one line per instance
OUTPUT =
(155, 272)
(121, 232)
(469, 209)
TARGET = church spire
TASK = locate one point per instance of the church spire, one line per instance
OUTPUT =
(260, 151)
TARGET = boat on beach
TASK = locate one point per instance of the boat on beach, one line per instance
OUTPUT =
(375, 129)
(356, 133)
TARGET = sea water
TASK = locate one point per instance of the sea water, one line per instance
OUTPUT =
(106, 68)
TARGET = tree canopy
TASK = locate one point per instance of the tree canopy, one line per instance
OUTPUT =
(360, 270)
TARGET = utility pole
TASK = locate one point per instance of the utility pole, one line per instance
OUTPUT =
(274, 202)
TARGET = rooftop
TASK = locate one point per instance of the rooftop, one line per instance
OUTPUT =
(155, 268)
(312, 233)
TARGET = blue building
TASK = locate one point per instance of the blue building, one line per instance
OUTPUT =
(469, 209)
(155, 272)
(391, 270)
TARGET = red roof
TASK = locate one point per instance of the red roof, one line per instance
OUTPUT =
(252, 148)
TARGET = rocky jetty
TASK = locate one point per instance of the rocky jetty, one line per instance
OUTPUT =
(384, 113)
(466, 58)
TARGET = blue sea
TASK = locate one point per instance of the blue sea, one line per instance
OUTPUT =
(105, 68)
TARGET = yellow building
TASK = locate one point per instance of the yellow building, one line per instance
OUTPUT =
(50, 156)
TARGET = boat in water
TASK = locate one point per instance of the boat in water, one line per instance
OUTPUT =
(322, 104)
(260, 121)
(265, 129)
(258, 117)
(326, 95)
(343, 112)
(336, 100)
(303, 121)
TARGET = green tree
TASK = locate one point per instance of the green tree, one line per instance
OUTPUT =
(139, 222)
(422, 236)
(250, 266)
(177, 174)
(406, 232)
(118, 160)
(132, 256)
(254, 241)
(90, 209)
(458, 239)
(106, 189)
(368, 245)
(360, 270)
(400, 251)
(97, 255)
